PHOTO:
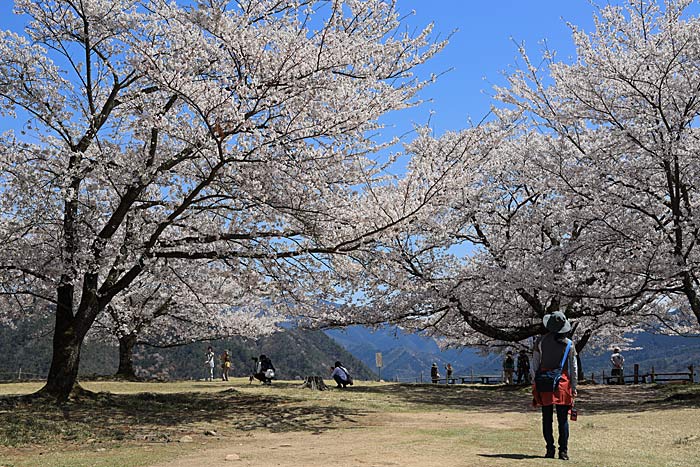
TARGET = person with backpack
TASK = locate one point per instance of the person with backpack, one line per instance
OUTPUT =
(554, 372)
(341, 376)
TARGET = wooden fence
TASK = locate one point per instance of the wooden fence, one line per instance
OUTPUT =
(652, 377)
(471, 378)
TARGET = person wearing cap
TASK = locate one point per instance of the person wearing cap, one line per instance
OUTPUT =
(508, 367)
(434, 373)
(617, 361)
(548, 354)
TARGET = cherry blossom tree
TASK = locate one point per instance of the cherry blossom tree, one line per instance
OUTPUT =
(500, 248)
(628, 106)
(233, 132)
(580, 197)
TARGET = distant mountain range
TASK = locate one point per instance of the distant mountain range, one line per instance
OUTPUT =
(408, 356)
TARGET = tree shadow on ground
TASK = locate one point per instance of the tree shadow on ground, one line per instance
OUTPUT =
(158, 417)
(500, 398)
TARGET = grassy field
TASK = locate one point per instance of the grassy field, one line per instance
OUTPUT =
(122, 424)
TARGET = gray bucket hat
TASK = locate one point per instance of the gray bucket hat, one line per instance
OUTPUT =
(556, 322)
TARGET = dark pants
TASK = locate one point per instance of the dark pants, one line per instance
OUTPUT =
(523, 375)
(261, 376)
(620, 375)
(563, 423)
(340, 381)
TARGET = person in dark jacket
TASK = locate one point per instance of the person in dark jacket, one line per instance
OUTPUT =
(434, 373)
(523, 367)
(549, 352)
(265, 371)
(508, 368)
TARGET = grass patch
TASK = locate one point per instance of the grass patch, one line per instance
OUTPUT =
(139, 424)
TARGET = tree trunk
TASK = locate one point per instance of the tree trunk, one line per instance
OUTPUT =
(315, 383)
(67, 342)
(69, 334)
(580, 345)
(126, 357)
(692, 295)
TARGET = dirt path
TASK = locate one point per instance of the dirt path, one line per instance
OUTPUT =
(373, 440)
(473, 431)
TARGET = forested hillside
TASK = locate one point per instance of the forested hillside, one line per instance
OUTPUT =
(294, 353)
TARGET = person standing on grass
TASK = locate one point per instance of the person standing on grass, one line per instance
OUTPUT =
(448, 372)
(225, 365)
(550, 351)
(209, 364)
(508, 367)
(617, 361)
(434, 373)
(523, 367)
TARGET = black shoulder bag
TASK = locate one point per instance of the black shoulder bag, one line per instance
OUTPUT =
(548, 380)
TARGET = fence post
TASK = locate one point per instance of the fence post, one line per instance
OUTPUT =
(636, 373)
(653, 376)
(19, 374)
(604, 380)
(692, 374)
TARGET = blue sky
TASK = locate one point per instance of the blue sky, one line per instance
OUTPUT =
(481, 47)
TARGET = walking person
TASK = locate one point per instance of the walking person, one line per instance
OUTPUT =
(617, 361)
(225, 365)
(209, 364)
(554, 351)
(508, 368)
(523, 367)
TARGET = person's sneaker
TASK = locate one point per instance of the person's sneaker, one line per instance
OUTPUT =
(563, 455)
(549, 454)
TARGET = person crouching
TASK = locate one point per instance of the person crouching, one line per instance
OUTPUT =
(340, 375)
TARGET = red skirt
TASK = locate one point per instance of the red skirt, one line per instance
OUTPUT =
(561, 396)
